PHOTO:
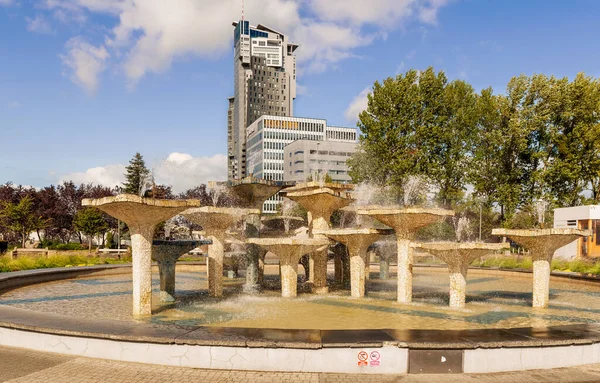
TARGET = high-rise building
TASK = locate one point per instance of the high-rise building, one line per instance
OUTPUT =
(264, 84)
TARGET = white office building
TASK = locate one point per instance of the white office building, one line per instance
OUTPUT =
(268, 136)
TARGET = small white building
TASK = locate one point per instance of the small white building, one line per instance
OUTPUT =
(579, 217)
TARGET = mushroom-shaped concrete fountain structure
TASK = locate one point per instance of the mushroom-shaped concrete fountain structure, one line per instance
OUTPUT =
(289, 251)
(357, 241)
(320, 203)
(458, 256)
(141, 216)
(542, 243)
(405, 222)
(215, 221)
(166, 254)
(252, 193)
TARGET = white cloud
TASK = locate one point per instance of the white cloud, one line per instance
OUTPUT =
(401, 68)
(357, 105)
(180, 170)
(151, 34)
(39, 25)
(85, 62)
(429, 10)
(183, 172)
(111, 175)
(302, 90)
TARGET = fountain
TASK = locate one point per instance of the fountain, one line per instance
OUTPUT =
(215, 221)
(289, 251)
(458, 256)
(405, 222)
(357, 241)
(542, 243)
(166, 254)
(252, 194)
(385, 250)
(320, 203)
(141, 216)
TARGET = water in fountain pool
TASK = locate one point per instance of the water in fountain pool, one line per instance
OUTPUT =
(494, 300)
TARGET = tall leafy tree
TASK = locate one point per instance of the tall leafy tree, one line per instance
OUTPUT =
(137, 175)
(574, 144)
(21, 218)
(417, 123)
(90, 222)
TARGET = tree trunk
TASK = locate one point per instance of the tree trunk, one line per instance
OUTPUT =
(23, 236)
(90, 244)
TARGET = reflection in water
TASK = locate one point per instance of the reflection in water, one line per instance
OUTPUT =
(493, 301)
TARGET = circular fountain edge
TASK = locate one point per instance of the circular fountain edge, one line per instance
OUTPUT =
(480, 350)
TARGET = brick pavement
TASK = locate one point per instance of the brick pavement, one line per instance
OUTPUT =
(20, 365)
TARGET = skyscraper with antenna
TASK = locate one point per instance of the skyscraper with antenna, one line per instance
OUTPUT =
(264, 84)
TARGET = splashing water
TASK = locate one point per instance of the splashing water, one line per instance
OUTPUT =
(252, 161)
(462, 227)
(415, 189)
(287, 208)
(364, 194)
(146, 182)
(217, 192)
(540, 210)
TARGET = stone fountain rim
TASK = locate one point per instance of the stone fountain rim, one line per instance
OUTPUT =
(238, 211)
(36, 329)
(315, 184)
(352, 231)
(393, 210)
(307, 193)
(450, 246)
(282, 217)
(540, 232)
(288, 241)
(132, 198)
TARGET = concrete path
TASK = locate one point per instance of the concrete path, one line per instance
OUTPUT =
(20, 365)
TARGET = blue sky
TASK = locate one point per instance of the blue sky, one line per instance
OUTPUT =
(84, 84)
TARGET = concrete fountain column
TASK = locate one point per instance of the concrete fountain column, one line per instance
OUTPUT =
(215, 221)
(289, 251)
(141, 216)
(542, 243)
(385, 251)
(252, 193)
(166, 254)
(405, 222)
(357, 241)
(252, 256)
(320, 203)
(458, 256)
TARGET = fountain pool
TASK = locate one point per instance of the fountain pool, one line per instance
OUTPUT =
(495, 299)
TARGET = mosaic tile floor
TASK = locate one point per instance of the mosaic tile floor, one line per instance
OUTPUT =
(493, 301)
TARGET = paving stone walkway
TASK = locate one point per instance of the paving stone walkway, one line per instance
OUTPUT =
(20, 365)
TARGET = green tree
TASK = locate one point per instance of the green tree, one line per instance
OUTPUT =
(506, 148)
(137, 175)
(417, 123)
(90, 222)
(21, 218)
(573, 148)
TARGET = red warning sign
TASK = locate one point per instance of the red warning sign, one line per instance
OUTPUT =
(362, 358)
(375, 358)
